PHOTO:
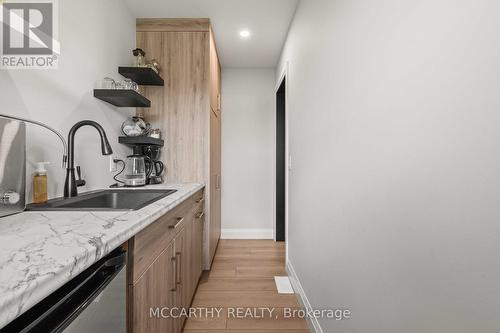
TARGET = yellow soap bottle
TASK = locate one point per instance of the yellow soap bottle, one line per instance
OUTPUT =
(40, 194)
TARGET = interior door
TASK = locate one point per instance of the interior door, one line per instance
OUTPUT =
(281, 163)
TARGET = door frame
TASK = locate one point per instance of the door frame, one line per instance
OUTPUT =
(284, 75)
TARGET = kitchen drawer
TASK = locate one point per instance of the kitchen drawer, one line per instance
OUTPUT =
(148, 244)
(198, 202)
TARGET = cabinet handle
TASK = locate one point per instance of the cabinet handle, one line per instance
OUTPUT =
(217, 185)
(200, 215)
(178, 272)
(179, 221)
(200, 200)
(174, 262)
(218, 102)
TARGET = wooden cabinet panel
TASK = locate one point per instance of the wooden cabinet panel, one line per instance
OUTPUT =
(182, 108)
(187, 286)
(215, 76)
(180, 276)
(152, 44)
(218, 183)
(183, 243)
(196, 246)
(212, 187)
(218, 81)
(215, 182)
(172, 24)
(215, 149)
(213, 93)
(150, 291)
(150, 242)
(173, 257)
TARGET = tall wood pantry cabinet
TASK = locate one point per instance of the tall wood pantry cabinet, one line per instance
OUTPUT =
(187, 109)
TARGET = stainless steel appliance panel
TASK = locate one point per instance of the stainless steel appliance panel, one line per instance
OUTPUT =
(12, 166)
(107, 312)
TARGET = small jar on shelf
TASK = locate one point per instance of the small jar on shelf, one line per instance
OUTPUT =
(139, 57)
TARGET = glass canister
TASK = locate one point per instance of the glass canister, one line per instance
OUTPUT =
(135, 126)
(129, 84)
(155, 133)
(108, 83)
(154, 65)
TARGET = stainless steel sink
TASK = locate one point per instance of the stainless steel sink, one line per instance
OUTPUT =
(121, 199)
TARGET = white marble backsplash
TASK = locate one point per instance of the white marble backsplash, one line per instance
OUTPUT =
(41, 251)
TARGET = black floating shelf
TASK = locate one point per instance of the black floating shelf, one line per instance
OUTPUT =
(144, 76)
(122, 97)
(140, 141)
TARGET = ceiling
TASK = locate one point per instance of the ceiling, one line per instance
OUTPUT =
(267, 20)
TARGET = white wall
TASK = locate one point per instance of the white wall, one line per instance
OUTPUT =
(394, 112)
(247, 152)
(96, 37)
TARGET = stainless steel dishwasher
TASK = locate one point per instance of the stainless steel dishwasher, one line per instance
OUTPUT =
(94, 301)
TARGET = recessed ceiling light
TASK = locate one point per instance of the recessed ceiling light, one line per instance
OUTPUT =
(244, 34)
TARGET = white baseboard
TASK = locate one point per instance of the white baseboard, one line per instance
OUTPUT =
(304, 302)
(246, 234)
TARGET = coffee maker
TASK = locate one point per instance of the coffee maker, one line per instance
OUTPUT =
(157, 166)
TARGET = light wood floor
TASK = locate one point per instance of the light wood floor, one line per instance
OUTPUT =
(242, 275)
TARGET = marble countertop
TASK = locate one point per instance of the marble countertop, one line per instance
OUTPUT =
(40, 251)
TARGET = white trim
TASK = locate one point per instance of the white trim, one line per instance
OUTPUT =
(246, 234)
(313, 322)
(285, 75)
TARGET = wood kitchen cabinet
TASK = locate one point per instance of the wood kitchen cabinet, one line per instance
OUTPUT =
(150, 292)
(182, 300)
(164, 267)
(215, 179)
(196, 246)
(183, 107)
(215, 76)
(215, 148)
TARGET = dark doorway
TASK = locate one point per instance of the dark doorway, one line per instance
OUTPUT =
(280, 160)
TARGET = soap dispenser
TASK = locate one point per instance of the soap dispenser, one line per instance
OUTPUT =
(40, 183)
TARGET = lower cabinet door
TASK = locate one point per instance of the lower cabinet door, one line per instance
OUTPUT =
(187, 258)
(180, 277)
(157, 298)
(154, 295)
(197, 248)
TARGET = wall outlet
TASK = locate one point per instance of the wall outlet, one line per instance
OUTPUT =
(112, 164)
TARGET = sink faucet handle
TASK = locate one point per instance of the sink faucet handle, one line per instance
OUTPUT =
(79, 181)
